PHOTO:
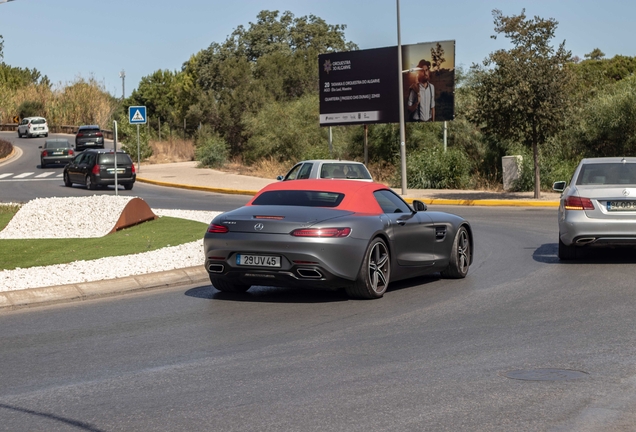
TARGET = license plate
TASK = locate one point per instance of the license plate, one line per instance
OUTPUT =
(621, 205)
(119, 170)
(257, 260)
(57, 153)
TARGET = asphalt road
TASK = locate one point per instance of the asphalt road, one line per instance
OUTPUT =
(19, 182)
(431, 355)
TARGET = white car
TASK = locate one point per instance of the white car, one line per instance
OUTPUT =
(33, 126)
(328, 169)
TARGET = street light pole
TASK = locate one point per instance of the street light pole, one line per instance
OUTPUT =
(122, 75)
(401, 87)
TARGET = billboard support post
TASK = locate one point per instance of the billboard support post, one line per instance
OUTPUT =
(445, 134)
(401, 87)
(330, 143)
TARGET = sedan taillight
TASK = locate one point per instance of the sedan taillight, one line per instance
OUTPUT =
(99, 134)
(578, 203)
(79, 135)
(133, 168)
(96, 169)
(321, 232)
(45, 153)
(217, 229)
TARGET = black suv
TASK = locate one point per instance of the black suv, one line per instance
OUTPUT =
(96, 167)
(89, 136)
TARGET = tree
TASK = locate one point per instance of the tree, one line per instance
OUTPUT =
(522, 93)
(437, 55)
(596, 54)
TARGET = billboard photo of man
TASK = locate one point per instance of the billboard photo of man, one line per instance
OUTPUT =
(421, 100)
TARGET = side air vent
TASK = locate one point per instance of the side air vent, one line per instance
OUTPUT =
(440, 233)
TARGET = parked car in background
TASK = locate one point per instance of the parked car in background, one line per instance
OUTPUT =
(598, 207)
(33, 126)
(56, 151)
(333, 234)
(89, 136)
(328, 169)
(96, 167)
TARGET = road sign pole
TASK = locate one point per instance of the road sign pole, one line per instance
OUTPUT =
(115, 148)
(138, 150)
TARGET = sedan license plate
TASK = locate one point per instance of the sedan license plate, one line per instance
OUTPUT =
(57, 153)
(119, 170)
(257, 260)
(621, 205)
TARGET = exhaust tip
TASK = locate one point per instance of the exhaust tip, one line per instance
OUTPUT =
(215, 268)
(309, 273)
(586, 240)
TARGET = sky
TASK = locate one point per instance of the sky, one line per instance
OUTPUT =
(71, 39)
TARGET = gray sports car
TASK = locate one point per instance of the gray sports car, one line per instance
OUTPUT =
(333, 234)
(598, 207)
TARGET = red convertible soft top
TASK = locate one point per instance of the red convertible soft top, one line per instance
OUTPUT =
(358, 194)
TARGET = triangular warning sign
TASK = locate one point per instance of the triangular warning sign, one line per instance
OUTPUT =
(137, 116)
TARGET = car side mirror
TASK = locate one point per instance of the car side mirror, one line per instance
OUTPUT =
(558, 186)
(419, 206)
(39, 146)
(280, 177)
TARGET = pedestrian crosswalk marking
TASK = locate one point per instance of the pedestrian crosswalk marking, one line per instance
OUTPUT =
(46, 174)
(23, 175)
(5, 175)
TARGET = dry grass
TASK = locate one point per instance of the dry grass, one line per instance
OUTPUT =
(176, 150)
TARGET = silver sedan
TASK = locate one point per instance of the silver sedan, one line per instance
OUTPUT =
(598, 207)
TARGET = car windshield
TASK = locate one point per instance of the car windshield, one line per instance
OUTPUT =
(299, 198)
(108, 158)
(615, 173)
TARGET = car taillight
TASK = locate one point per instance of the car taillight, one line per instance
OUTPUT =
(44, 153)
(578, 203)
(79, 135)
(133, 168)
(321, 232)
(71, 152)
(98, 134)
(217, 229)
(96, 169)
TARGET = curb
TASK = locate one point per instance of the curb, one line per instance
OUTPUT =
(437, 201)
(199, 188)
(11, 300)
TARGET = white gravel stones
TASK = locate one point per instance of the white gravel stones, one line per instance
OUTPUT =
(169, 258)
(74, 217)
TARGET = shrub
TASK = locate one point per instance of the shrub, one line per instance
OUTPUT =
(434, 168)
(31, 109)
(5, 148)
(211, 149)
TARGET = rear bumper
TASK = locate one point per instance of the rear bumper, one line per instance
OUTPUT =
(575, 228)
(111, 181)
(57, 159)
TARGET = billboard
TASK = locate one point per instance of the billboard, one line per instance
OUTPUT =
(361, 87)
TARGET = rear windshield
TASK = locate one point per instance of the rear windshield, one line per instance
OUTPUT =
(299, 198)
(108, 158)
(56, 144)
(607, 174)
(89, 128)
(38, 121)
(344, 170)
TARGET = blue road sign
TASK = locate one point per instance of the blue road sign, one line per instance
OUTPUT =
(137, 114)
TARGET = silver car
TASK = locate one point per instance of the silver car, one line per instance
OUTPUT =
(598, 207)
(328, 169)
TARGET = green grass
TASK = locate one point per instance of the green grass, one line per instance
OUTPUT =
(148, 236)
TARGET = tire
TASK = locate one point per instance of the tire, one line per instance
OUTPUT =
(459, 261)
(19, 134)
(67, 180)
(128, 186)
(42, 165)
(46, 135)
(375, 272)
(225, 286)
(90, 185)
(566, 253)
